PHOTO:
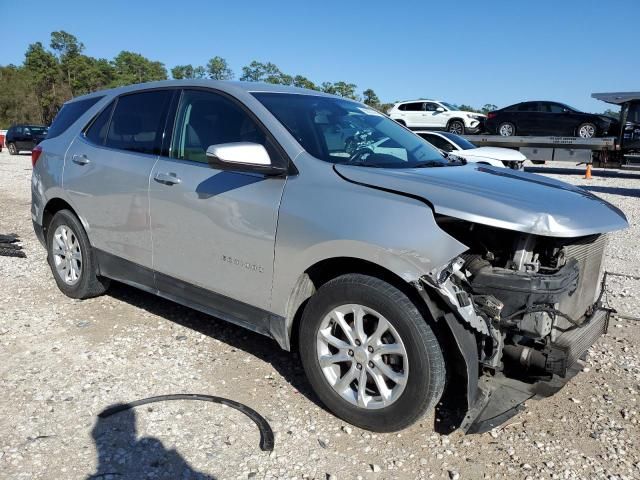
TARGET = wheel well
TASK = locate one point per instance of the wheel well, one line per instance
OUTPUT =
(53, 207)
(451, 120)
(328, 269)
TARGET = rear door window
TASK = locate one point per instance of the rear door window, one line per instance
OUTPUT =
(528, 107)
(137, 123)
(68, 114)
(556, 108)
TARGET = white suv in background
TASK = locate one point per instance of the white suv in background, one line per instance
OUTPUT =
(436, 115)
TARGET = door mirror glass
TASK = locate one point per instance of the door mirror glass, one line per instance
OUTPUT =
(439, 109)
(242, 157)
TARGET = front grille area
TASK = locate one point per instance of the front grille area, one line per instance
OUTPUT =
(572, 344)
(589, 252)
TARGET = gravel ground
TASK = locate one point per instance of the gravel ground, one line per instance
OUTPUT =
(62, 361)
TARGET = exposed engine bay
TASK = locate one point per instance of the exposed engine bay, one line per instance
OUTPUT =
(533, 305)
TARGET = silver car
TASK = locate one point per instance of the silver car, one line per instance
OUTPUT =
(401, 278)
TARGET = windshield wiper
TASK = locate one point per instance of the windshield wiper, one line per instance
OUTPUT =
(362, 164)
(430, 163)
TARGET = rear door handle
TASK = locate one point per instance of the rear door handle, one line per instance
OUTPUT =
(80, 159)
(166, 178)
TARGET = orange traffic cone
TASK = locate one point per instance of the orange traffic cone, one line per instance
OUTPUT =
(587, 174)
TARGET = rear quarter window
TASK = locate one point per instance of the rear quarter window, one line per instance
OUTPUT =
(68, 114)
(96, 132)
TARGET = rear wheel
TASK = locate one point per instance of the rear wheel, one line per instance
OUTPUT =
(12, 149)
(369, 354)
(456, 127)
(71, 258)
(586, 130)
(506, 129)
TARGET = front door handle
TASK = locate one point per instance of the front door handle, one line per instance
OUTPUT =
(166, 178)
(80, 159)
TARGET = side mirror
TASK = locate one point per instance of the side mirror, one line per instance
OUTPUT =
(439, 109)
(242, 157)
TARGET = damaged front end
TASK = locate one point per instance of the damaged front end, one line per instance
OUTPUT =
(523, 310)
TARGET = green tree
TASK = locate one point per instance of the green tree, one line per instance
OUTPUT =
(44, 74)
(180, 72)
(90, 74)
(611, 113)
(328, 87)
(344, 89)
(66, 44)
(18, 102)
(370, 98)
(488, 107)
(130, 67)
(218, 69)
(265, 72)
(384, 107)
(467, 108)
(304, 82)
(72, 63)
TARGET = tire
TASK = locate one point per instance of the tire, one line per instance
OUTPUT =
(456, 126)
(86, 283)
(421, 377)
(506, 129)
(12, 149)
(586, 130)
(402, 122)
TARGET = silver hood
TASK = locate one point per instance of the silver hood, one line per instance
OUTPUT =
(498, 197)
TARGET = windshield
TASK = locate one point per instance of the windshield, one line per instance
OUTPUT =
(449, 106)
(463, 143)
(633, 115)
(342, 131)
(36, 129)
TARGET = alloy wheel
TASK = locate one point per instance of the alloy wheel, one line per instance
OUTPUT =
(67, 256)
(587, 131)
(506, 130)
(457, 128)
(362, 356)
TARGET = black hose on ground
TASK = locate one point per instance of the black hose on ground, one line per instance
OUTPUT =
(266, 433)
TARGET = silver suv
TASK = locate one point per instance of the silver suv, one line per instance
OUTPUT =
(400, 278)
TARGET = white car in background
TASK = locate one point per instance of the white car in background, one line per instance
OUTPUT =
(436, 115)
(460, 147)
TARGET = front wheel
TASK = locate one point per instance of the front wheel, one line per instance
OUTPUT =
(456, 127)
(587, 130)
(369, 354)
(12, 149)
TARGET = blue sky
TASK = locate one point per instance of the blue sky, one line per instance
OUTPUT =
(469, 52)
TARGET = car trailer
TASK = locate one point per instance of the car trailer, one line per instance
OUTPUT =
(620, 151)
(559, 149)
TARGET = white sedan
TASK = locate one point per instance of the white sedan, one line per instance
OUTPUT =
(457, 146)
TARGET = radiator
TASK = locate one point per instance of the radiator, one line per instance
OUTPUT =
(589, 252)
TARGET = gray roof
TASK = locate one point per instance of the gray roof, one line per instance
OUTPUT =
(228, 86)
(617, 98)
